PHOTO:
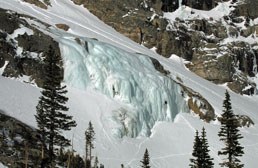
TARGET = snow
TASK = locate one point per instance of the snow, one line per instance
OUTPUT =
(22, 30)
(2, 69)
(185, 12)
(170, 143)
(2, 166)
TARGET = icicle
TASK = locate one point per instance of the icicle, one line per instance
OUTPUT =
(254, 63)
(179, 4)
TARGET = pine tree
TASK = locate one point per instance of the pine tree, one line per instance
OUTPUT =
(146, 160)
(41, 121)
(89, 136)
(50, 119)
(196, 161)
(229, 134)
(205, 157)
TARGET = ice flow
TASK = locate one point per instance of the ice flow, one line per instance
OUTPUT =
(129, 78)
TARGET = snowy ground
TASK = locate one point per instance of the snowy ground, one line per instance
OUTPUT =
(170, 144)
(2, 166)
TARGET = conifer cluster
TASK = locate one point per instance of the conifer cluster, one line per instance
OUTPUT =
(201, 157)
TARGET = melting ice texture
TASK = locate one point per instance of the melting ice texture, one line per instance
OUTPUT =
(126, 77)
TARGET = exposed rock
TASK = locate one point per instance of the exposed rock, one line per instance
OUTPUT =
(8, 23)
(36, 44)
(249, 31)
(159, 67)
(199, 105)
(19, 137)
(249, 8)
(63, 27)
(244, 121)
(39, 3)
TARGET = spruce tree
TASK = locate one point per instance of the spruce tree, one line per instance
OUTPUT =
(146, 160)
(50, 117)
(41, 121)
(196, 161)
(229, 134)
(89, 136)
(205, 157)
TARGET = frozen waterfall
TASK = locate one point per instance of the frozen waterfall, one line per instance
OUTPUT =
(126, 77)
(179, 4)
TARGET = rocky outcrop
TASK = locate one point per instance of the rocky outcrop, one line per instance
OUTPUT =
(63, 27)
(29, 61)
(159, 67)
(42, 4)
(199, 105)
(244, 121)
(248, 9)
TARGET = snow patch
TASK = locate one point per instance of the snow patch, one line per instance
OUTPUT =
(21, 31)
(3, 68)
(185, 12)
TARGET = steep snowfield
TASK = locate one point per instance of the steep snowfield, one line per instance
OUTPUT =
(170, 143)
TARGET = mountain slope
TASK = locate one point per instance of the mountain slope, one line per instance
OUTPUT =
(170, 143)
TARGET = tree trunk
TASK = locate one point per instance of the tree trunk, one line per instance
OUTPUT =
(90, 155)
(26, 156)
(42, 152)
(51, 147)
(69, 160)
(86, 151)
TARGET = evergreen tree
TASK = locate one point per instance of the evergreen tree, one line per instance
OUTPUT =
(146, 160)
(196, 161)
(229, 134)
(41, 121)
(50, 119)
(205, 157)
(89, 136)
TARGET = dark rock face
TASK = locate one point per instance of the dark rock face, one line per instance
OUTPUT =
(24, 63)
(8, 23)
(199, 41)
(200, 4)
(248, 9)
(159, 67)
(20, 138)
(172, 5)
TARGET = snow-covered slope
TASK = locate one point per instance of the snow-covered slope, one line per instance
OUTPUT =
(170, 143)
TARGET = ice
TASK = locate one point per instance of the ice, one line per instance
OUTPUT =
(126, 77)
(20, 31)
(179, 4)
(2, 166)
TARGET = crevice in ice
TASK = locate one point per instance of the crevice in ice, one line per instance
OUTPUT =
(130, 79)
